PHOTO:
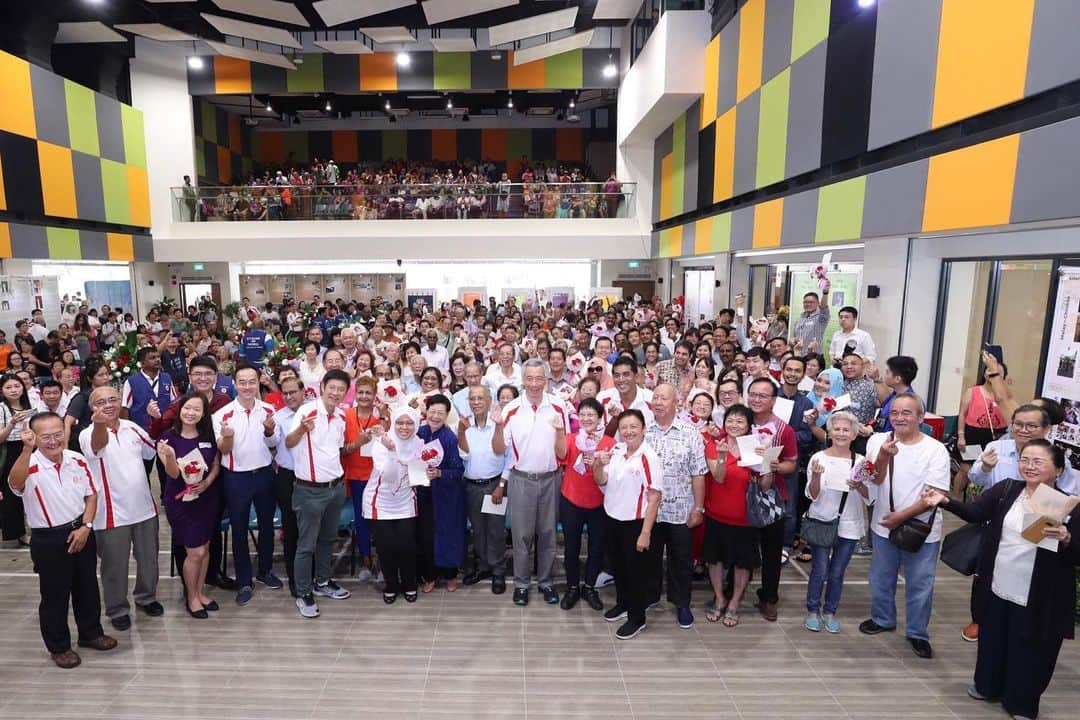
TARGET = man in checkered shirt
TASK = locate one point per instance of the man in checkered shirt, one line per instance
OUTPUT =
(810, 327)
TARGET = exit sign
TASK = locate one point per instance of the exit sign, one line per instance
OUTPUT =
(633, 264)
(198, 266)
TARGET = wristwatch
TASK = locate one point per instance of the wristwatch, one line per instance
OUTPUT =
(700, 510)
(502, 484)
(89, 525)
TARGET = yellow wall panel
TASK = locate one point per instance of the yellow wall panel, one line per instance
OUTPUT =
(724, 157)
(768, 223)
(971, 187)
(982, 56)
(138, 195)
(17, 106)
(703, 236)
(121, 246)
(666, 166)
(57, 180)
(751, 47)
(3, 197)
(712, 81)
(5, 241)
(231, 76)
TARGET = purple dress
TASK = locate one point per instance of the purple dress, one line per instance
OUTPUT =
(192, 522)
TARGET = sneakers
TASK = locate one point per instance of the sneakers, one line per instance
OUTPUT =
(244, 596)
(869, 627)
(685, 618)
(271, 581)
(592, 598)
(551, 596)
(832, 625)
(331, 589)
(628, 630)
(604, 579)
(615, 614)
(863, 549)
(364, 575)
(974, 694)
(812, 623)
(152, 608)
(521, 596)
(307, 606)
(971, 632)
(570, 598)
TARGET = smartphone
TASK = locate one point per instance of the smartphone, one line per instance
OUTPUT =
(996, 351)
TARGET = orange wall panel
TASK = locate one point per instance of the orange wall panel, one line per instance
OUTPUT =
(724, 156)
(17, 108)
(138, 195)
(224, 165)
(444, 145)
(378, 71)
(5, 240)
(345, 146)
(971, 187)
(568, 144)
(121, 246)
(57, 180)
(271, 148)
(768, 223)
(529, 76)
(493, 143)
(751, 47)
(231, 75)
(236, 141)
(712, 80)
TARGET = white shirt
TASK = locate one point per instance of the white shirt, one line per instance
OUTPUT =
(530, 434)
(16, 429)
(388, 494)
(495, 379)
(852, 525)
(38, 332)
(613, 404)
(317, 457)
(119, 472)
(55, 493)
(630, 476)
(1014, 562)
(864, 344)
(915, 466)
(283, 421)
(251, 447)
(481, 462)
(438, 357)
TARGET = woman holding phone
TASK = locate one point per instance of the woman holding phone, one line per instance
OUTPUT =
(15, 411)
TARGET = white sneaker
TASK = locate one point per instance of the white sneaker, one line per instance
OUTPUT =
(332, 590)
(364, 575)
(604, 579)
(307, 606)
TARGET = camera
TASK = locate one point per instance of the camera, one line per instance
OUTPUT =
(399, 262)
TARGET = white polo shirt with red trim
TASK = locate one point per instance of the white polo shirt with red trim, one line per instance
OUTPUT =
(613, 404)
(317, 457)
(55, 493)
(251, 447)
(630, 477)
(530, 433)
(120, 475)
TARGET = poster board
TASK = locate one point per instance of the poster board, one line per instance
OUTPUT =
(281, 288)
(20, 295)
(416, 297)
(1060, 380)
(607, 296)
(525, 298)
(560, 296)
(467, 294)
(307, 287)
(844, 291)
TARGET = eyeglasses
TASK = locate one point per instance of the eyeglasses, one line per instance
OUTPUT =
(1036, 463)
(102, 402)
(1028, 427)
(758, 396)
(203, 374)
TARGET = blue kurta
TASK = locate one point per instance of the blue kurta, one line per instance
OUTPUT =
(448, 500)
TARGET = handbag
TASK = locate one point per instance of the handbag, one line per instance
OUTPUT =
(910, 536)
(822, 533)
(960, 548)
(763, 507)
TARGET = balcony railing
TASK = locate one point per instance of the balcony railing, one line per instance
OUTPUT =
(403, 201)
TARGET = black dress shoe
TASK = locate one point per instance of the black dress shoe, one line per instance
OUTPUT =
(223, 581)
(590, 596)
(153, 609)
(570, 599)
(212, 606)
(498, 584)
(521, 596)
(869, 627)
(551, 596)
(476, 576)
(922, 648)
(121, 623)
(199, 614)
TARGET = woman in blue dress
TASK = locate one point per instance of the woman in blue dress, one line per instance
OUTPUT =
(441, 525)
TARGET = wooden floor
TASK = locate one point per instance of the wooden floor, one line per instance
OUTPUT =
(472, 654)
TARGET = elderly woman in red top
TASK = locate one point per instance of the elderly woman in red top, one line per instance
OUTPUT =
(581, 503)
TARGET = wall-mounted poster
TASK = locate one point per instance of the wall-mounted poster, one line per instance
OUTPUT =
(280, 288)
(1060, 379)
(524, 298)
(607, 296)
(843, 290)
(420, 300)
(560, 296)
(468, 295)
(308, 286)
(364, 287)
(255, 288)
(335, 286)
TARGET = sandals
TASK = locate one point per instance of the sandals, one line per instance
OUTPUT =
(428, 586)
(731, 618)
(713, 615)
(410, 596)
(802, 552)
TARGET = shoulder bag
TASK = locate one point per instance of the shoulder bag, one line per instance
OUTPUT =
(910, 536)
(821, 533)
(763, 507)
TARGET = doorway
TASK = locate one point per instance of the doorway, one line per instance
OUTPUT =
(644, 288)
(699, 289)
(191, 293)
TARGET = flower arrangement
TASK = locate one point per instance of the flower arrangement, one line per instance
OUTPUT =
(864, 472)
(283, 354)
(165, 307)
(120, 359)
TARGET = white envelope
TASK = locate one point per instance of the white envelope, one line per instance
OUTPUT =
(836, 474)
(490, 508)
(783, 409)
(972, 453)
(418, 473)
(843, 402)
(748, 445)
(366, 448)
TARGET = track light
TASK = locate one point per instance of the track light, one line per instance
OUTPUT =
(328, 107)
(449, 104)
(610, 70)
(510, 101)
(572, 103)
(269, 107)
(195, 62)
(387, 106)
(403, 59)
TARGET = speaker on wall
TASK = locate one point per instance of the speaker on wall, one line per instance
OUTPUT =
(873, 291)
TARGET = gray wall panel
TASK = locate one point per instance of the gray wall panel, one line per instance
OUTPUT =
(805, 106)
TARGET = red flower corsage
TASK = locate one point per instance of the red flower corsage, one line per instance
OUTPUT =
(428, 455)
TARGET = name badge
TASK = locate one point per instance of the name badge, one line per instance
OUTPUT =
(205, 445)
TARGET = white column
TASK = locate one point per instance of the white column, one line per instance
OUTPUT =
(159, 89)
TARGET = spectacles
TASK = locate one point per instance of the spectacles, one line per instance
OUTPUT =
(1033, 462)
(758, 396)
(203, 374)
(102, 402)
(1029, 427)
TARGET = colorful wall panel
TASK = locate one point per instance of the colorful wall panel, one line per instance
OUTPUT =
(223, 145)
(797, 85)
(67, 151)
(19, 240)
(427, 71)
(1023, 177)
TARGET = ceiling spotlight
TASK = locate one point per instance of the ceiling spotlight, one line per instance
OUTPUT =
(195, 62)
(328, 107)
(449, 104)
(865, 3)
(610, 70)
(269, 107)
(387, 106)
(510, 102)
(572, 103)
(496, 55)
(403, 59)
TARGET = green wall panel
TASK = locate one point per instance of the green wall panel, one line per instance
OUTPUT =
(209, 122)
(810, 26)
(134, 136)
(114, 187)
(394, 145)
(453, 71)
(840, 210)
(296, 147)
(308, 76)
(772, 129)
(82, 118)
(564, 70)
(518, 143)
(63, 243)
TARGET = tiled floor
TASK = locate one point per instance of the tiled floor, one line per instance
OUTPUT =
(475, 655)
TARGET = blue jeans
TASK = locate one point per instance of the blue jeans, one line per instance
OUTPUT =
(828, 564)
(919, 570)
(363, 533)
(791, 484)
(241, 490)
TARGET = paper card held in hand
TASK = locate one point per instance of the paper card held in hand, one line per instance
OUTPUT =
(783, 409)
(490, 508)
(418, 473)
(748, 453)
(836, 474)
(971, 453)
(431, 453)
(1046, 507)
(366, 448)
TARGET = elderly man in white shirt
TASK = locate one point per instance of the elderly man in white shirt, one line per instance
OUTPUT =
(126, 522)
(482, 445)
(505, 371)
(245, 432)
(435, 354)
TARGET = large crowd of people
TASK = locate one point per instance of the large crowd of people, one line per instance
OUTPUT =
(408, 190)
(710, 450)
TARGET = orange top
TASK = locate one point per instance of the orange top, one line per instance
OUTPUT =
(357, 467)
(5, 350)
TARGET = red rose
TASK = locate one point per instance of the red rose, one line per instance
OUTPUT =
(870, 469)
(829, 403)
(428, 455)
(391, 391)
(192, 468)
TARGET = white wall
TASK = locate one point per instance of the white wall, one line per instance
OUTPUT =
(159, 89)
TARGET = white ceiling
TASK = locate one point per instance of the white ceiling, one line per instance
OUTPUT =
(258, 56)
(555, 47)
(344, 47)
(453, 44)
(399, 34)
(531, 26)
(439, 11)
(335, 12)
(284, 12)
(156, 31)
(86, 32)
(252, 31)
(616, 9)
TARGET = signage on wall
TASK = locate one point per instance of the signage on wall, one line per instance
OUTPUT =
(1060, 379)
(844, 291)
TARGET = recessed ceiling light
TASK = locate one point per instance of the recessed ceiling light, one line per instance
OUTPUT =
(403, 59)
(195, 62)
(865, 3)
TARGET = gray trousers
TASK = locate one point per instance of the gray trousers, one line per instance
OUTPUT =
(533, 505)
(318, 514)
(115, 547)
(489, 531)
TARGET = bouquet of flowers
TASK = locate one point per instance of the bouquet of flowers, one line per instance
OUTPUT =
(285, 353)
(431, 453)
(576, 363)
(390, 392)
(192, 469)
(587, 444)
(864, 472)
(820, 273)
(120, 359)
